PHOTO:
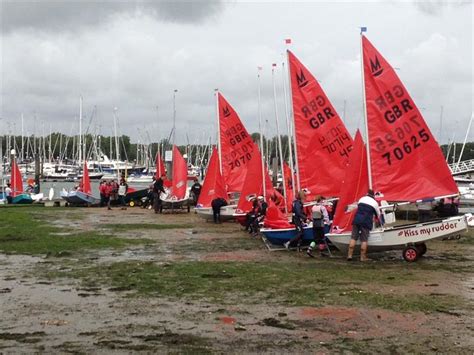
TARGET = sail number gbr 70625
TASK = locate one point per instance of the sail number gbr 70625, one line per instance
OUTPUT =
(402, 141)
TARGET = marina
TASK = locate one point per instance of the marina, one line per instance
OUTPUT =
(216, 177)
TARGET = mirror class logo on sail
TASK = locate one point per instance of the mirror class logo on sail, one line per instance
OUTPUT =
(375, 67)
(316, 111)
(226, 111)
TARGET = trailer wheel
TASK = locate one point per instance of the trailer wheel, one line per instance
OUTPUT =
(131, 203)
(410, 254)
(422, 249)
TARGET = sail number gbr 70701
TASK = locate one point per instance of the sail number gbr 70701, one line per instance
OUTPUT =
(402, 141)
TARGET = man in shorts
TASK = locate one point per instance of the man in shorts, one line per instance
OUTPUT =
(367, 208)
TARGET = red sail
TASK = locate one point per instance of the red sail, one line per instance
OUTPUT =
(213, 186)
(354, 186)
(237, 148)
(180, 175)
(160, 166)
(85, 181)
(17, 182)
(253, 183)
(323, 142)
(406, 161)
(275, 218)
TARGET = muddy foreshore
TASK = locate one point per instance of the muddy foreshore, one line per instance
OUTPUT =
(205, 288)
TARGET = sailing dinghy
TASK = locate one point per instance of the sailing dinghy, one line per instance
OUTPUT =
(323, 147)
(212, 188)
(19, 197)
(177, 195)
(253, 187)
(82, 196)
(404, 163)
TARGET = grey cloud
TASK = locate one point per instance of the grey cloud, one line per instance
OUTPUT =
(70, 15)
(434, 7)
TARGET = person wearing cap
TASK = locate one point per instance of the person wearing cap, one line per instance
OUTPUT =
(367, 209)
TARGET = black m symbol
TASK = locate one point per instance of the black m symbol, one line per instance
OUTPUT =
(300, 79)
(375, 67)
(226, 111)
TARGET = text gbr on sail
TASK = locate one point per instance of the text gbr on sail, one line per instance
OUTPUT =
(236, 134)
(317, 112)
(396, 110)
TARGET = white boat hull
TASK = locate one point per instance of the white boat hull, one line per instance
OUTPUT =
(398, 237)
(227, 212)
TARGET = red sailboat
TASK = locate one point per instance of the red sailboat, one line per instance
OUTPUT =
(405, 163)
(212, 188)
(323, 143)
(236, 147)
(323, 147)
(177, 195)
(83, 194)
(253, 187)
(18, 195)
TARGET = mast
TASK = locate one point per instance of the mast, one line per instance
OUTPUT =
(261, 135)
(465, 139)
(22, 141)
(279, 137)
(174, 116)
(298, 181)
(288, 127)
(219, 148)
(80, 131)
(116, 143)
(364, 104)
(441, 126)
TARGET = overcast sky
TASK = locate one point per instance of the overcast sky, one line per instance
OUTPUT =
(132, 55)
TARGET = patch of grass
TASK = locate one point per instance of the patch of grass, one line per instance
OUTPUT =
(288, 283)
(23, 233)
(134, 226)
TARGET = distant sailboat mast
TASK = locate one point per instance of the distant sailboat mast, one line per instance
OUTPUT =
(261, 134)
(116, 143)
(279, 140)
(80, 131)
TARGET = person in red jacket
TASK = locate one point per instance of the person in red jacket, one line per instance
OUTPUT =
(108, 191)
(102, 191)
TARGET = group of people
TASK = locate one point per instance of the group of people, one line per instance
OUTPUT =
(32, 187)
(321, 215)
(443, 208)
(112, 193)
(256, 215)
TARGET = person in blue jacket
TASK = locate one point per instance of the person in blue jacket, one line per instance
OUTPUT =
(367, 209)
(298, 219)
